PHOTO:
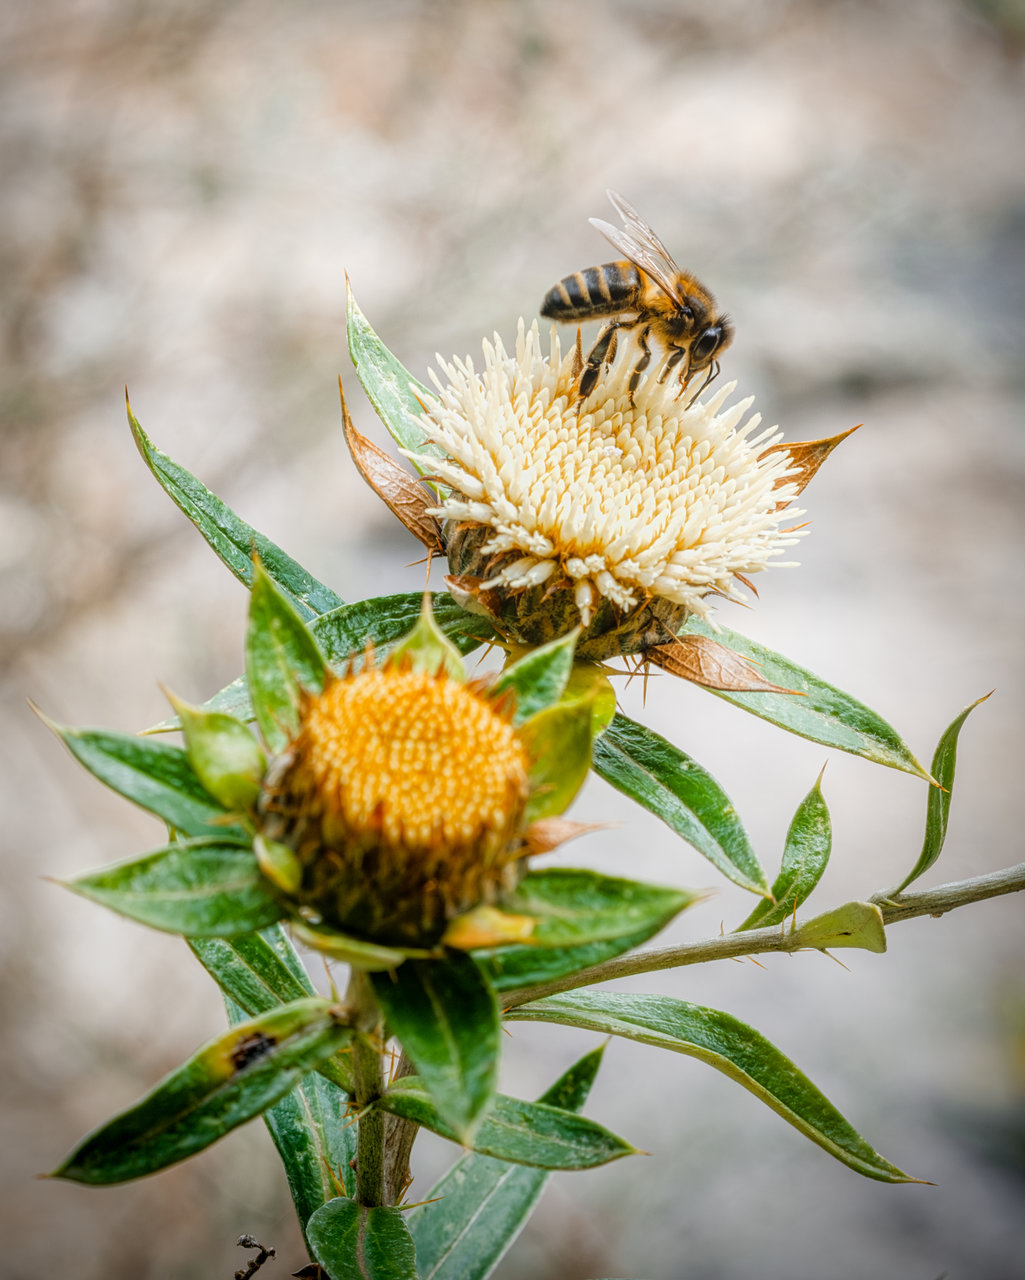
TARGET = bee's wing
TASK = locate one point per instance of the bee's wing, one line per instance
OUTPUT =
(641, 256)
(633, 221)
(640, 244)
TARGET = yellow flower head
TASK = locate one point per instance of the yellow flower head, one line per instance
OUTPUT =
(402, 797)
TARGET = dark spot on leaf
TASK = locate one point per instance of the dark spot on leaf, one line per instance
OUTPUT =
(253, 1046)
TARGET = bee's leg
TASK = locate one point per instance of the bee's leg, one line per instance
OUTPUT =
(600, 355)
(589, 377)
(675, 356)
(642, 364)
(685, 372)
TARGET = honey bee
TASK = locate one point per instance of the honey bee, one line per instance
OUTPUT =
(670, 305)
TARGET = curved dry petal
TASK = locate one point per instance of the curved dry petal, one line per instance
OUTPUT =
(706, 662)
(403, 494)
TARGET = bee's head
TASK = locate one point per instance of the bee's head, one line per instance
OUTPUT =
(712, 340)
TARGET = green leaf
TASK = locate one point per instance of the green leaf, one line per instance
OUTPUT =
(230, 1080)
(154, 775)
(391, 389)
(558, 741)
(574, 906)
(427, 648)
(315, 1142)
(282, 659)
(260, 971)
(675, 788)
(443, 1012)
(823, 714)
(352, 1242)
(855, 924)
(257, 971)
(804, 859)
(509, 968)
(531, 1133)
(587, 680)
(539, 678)
(203, 887)
(227, 759)
(938, 803)
(385, 621)
(729, 1045)
(232, 539)
(484, 1203)
(313, 1139)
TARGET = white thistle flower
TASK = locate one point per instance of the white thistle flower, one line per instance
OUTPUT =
(630, 504)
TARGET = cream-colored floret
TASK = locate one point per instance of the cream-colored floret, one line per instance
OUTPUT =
(658, 498)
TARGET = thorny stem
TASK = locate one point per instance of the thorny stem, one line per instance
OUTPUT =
(959, 893)
(399, 1136)
(383, 1142)
(368, 1086)
(900, 906)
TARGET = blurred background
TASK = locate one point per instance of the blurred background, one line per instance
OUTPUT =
(185, 185)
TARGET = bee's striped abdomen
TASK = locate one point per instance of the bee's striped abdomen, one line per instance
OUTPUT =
(595, 291)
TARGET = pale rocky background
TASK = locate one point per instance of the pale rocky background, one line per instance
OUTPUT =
(184, 186)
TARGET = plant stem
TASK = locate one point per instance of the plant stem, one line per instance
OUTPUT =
(399, 1136)
(959, 893)
(368, 1086)
(900, 906)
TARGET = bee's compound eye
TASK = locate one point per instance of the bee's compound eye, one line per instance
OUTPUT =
(706, 344)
